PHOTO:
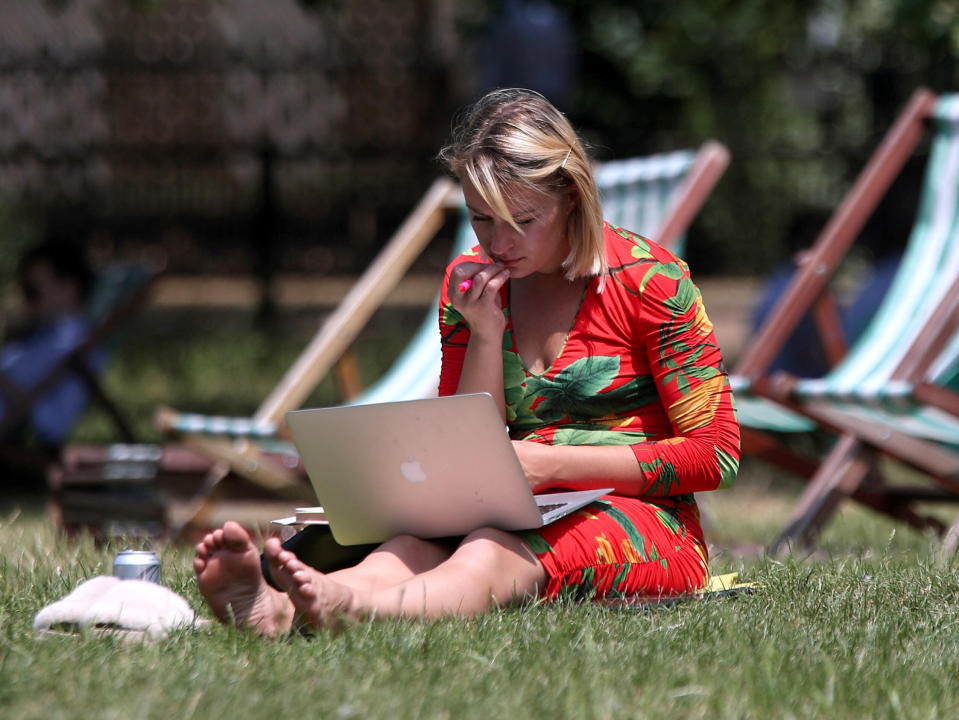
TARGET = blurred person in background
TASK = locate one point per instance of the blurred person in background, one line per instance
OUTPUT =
(55, 279)
(529, 44)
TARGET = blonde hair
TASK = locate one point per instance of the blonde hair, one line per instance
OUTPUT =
(516, 140)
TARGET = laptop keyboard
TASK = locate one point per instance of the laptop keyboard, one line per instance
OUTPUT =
(543, 509)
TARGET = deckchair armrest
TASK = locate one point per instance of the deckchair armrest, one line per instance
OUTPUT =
(937, 396)
(780, 386)
(938, 461)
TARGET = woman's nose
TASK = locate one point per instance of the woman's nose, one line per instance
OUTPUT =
(501, 239)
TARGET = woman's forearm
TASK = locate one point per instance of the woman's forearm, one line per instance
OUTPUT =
(483, 371)
(579, 467)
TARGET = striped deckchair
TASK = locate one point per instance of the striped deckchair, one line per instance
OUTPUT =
(657, 195)
(808, 290)
(870, 397)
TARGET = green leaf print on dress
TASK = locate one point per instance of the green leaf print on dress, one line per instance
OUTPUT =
(514, 374)
(637, 393)
(451, 316)
(519, 403)
(596, 435)
(685, 297)
(666, 477)
(673, 271)
(574, 390)
(536, 543)
(728, 469)
(637, 540)
(581, 394)
(519, 413)
(670, 522)
(641, 249)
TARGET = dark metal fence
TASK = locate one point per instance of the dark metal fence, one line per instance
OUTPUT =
(227, 134)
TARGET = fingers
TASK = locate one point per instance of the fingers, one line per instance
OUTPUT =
(471, 281)
(492, 283)
(479, 301)
(463, 273)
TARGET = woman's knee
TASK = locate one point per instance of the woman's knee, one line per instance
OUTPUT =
(490, 547)
(415, 553)
(502, 563)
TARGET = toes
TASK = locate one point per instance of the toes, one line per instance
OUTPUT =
(307, 590)
(272, 548)
(302, 576)
(289, 559)
(280, 574)
(234, 532)
(235, 537)
(216, 540)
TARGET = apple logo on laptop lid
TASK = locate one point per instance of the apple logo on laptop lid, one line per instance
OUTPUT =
(413, 471)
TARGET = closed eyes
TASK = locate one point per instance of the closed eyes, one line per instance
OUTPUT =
(519, 221)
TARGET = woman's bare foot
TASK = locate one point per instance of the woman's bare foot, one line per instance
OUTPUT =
(227, 567)
(319, 601)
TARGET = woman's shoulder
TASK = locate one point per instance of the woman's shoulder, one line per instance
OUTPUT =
(626, 247)
(641, 270)
(633, 259)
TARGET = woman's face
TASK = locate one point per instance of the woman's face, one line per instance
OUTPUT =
(541, 247)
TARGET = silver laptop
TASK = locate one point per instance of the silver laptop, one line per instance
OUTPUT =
(438, 467)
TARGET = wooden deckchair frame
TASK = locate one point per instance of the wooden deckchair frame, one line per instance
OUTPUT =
(808, 289)
(339, 330)
(850, 469)
(809, 284)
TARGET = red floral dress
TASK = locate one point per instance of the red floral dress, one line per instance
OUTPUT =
(640, 367)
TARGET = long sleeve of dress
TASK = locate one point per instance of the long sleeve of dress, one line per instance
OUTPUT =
(688, 372)
(454, 337)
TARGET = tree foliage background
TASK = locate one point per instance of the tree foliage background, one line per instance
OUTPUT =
(801, 92)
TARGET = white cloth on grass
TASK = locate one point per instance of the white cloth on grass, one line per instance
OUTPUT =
(107, 604)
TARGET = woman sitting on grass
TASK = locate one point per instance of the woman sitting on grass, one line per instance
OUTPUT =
(595, 344)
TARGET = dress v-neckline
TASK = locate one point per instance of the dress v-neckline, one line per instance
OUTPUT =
(512, 328)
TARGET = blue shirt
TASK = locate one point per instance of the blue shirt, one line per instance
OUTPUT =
(26, 362)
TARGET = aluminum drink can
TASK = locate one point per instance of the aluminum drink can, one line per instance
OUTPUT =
(137, 565)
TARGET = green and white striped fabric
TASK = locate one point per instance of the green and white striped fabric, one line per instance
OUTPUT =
(637, 192)
(862, 383)
(196, 424)
(762, 414)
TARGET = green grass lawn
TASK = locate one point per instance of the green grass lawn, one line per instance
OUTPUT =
(866, 627)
